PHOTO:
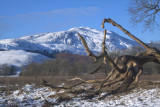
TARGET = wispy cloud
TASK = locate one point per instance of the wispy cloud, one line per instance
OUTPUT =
(2, 17)
(71, 11)
(63, 12)
(4, 27)
(53, 20)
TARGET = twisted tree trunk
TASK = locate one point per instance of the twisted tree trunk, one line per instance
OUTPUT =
(125, 69)
(130, 68)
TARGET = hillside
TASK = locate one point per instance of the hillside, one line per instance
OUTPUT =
(67, 41)
(20, 58)
(64, 41)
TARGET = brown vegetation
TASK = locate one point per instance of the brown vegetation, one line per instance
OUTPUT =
(7, 70)
(20, 81)
(63, 64)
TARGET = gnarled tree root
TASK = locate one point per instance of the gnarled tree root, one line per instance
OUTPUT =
(125, 69)
(124, 81)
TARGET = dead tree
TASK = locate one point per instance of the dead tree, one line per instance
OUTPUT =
(125, 69)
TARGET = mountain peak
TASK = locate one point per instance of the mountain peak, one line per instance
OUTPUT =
(68, 41)
(82, 28)
(65, 41)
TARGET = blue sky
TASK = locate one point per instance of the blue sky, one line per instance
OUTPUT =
(28, 17)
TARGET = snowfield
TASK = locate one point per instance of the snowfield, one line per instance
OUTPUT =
(30, 95)
(20, 58)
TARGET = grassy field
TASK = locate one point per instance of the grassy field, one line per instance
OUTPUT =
(13, 83)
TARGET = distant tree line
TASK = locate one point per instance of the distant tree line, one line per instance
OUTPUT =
(63, 64)
(7, 70)
(70, 64)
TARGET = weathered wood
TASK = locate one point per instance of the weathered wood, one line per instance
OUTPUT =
(126, 69)
(131, 66)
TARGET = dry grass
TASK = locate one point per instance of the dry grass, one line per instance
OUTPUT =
(22, 80)
(152, 77)
(8, 84)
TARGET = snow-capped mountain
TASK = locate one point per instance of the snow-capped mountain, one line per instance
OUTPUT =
(39, 47)
(67, 41)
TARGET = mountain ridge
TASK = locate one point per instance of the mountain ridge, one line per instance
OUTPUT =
(67, 41)
(44, 46)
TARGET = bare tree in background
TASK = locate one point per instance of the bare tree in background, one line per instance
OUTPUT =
(145, 11)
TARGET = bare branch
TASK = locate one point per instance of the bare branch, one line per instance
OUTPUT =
(144, 11)
(127, 32)
(87, 49)
(104, 53)
(103, 43)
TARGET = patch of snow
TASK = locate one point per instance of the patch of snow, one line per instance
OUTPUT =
(142, 98)
(20, 58)
(33, 96)
(28, 96)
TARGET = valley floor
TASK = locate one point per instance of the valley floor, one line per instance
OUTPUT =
(31, 95)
